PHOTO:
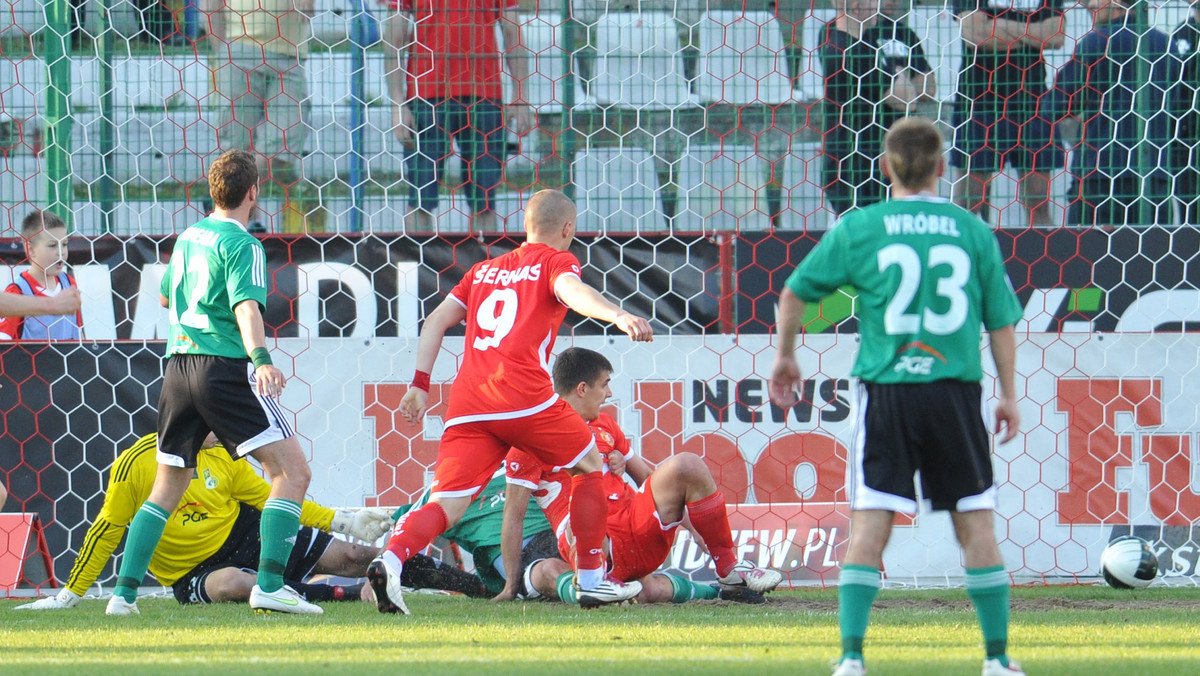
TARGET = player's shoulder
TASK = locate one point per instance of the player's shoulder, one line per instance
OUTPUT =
(608, 434)
(606, 422)
(136, 459)
(236, 237)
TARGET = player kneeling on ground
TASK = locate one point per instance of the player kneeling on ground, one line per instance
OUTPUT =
(641, 522)
(210, 545)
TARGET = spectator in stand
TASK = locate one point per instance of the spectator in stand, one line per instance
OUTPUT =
(902, 48)
(872, 76)
(997, 120)
(258, 51)
(56, 314)
(1185, 105)
(1116, 85)
(444, 80)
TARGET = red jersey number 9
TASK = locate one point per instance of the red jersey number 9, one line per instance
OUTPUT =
(497, 314)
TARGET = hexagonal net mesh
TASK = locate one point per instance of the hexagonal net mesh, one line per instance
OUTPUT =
(708, 147)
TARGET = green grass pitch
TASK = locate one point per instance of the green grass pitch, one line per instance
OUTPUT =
(1086, 631)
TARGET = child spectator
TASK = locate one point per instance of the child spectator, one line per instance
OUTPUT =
(45, 237)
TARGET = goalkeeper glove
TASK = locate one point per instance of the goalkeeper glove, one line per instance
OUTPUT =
(364, 525)
(64, 600)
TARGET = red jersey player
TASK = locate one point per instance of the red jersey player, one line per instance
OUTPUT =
(641, 523)
(502, 397)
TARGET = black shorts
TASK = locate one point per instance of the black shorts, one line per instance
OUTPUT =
(202, 394)
(242, 549)
(936, 429)
(985, 143)
(542, 546)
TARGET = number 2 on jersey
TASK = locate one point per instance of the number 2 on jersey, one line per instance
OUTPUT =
(896, 318)
(497, 314)
(198, 274)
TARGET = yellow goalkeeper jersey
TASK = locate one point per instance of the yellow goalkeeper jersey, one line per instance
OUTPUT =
(197, 527)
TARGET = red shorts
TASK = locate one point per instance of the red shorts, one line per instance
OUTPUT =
(640, 540)
(470, 453)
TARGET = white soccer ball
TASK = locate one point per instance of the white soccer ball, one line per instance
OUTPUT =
(1128, 562)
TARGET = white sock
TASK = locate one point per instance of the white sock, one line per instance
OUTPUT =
(589, 579)
(392, 560)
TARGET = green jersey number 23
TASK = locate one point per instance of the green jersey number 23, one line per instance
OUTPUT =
(897, 320)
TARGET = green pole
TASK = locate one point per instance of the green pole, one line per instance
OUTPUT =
(56, 50)
(1141, 109)
(568, 96)
(108, 187)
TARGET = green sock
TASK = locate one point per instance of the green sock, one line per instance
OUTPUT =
(857, 587)
(988, 589)
(565, 584)
(684, 590)
(145, 531)
(280, 523)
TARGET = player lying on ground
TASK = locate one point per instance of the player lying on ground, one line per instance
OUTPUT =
(641, 523)
(502, 397)
(210, 545)
(478, 532)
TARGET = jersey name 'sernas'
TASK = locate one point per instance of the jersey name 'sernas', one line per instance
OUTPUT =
(487, 274)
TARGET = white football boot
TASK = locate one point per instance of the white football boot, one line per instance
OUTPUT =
(746, 575)
(610, 591)
(385, 582)
(118, 606)
(282, 600)
(996, 668)
(850, 667)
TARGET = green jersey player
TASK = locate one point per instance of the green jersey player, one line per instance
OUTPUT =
(219, 378)
(928, 275)
(479, 533)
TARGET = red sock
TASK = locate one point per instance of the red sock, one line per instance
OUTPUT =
(711, 521)
(415, 530)
(589, 512)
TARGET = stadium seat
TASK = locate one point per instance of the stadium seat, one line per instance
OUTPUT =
(331, 22)
(616, 189)
(22, 87)
(720, 189)
(151, 147)
(811, 83)
(153, 82)
(638, 62)
(329, 80)
(742, 59)
(800, 183)
(545, 88)
(22, 185)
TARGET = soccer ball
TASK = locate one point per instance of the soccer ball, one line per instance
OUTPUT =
(1128, 562)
